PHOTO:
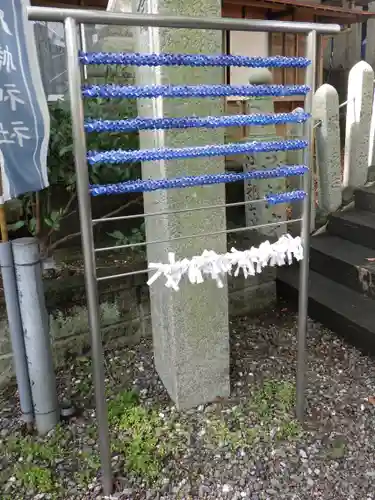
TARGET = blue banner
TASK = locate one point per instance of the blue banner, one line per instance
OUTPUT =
(24, 117)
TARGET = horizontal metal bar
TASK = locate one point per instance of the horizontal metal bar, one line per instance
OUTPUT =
(156, 21)
(178, 238)
(343, 104)
(181, 211)
(122, 275)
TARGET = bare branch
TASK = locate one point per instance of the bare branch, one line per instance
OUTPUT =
(68, 237)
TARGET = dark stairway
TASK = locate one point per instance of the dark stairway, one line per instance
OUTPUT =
(342, 273)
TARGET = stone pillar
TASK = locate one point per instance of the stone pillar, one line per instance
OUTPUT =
(358, 117)
(113, 39)
(190, 327)
(297, 157)
(260, 213)
(328, 154)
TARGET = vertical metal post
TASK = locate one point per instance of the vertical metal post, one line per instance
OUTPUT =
(83, 46)
(311, 46)
(16, 331)
(74, 78)
(319, 63)
(37, 341)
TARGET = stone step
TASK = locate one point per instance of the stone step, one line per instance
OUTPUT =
(357, 226)
(364, 198)
(344, 262)
(346, 312)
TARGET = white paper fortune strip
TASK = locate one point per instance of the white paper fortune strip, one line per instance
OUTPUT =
(215, 266)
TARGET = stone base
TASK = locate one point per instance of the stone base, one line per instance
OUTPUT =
(191, 348)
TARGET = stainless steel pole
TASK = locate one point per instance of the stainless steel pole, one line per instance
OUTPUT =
(161, 21)
(83, 44)
(16, 331)
(311, 46)
(74, 78)
(37, 340)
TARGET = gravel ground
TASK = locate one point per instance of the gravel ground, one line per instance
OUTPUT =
(249, 447)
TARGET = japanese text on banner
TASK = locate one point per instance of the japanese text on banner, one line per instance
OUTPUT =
(24, 118)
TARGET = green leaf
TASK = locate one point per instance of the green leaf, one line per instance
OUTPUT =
(55, 215)
(48, 221)
(16, 225)
(67, 149)
(53, 224)
(32, 225)
(118, 235)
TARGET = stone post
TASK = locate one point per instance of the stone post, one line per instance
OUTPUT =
(358, 117)
(328, 155)
(190, 327)
(113, 38)
(260, 213)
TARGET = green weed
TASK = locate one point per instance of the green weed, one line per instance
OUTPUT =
(142, 432)
(271, 406)
(35, 478)
(275, 398)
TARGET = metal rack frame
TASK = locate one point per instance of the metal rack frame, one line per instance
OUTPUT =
(72, 19)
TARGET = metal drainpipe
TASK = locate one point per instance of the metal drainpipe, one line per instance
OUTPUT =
(36, 333)
(16, 331)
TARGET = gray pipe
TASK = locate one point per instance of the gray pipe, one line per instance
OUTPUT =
(36, 332)
(86, 16)
(83, 45)
(16, 332)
